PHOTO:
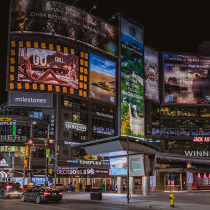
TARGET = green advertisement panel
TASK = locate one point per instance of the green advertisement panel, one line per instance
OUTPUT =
(132, 80)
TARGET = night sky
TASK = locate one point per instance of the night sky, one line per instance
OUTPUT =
(169, 25)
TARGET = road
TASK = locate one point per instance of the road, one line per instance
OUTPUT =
(17, 204)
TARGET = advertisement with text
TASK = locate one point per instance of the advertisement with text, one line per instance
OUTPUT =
(102, 79)
(187, 79)
(48, 67)
(61, 19)
(151, 74)
(132, 80)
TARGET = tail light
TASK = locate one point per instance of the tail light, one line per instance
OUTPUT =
(46, 193)
(8, 187)
(60, 193)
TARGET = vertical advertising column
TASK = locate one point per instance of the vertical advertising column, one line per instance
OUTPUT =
(132, 80)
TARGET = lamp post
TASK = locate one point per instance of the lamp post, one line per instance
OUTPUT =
(74, 2)
(127, 170)
(113, 17)
(94, 7)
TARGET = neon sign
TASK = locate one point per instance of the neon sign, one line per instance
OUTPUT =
(201, 139)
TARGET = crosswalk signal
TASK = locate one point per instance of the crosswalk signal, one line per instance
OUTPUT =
(147, 128)
(27, 149)
(50, 170)
(200, 131)
(25, 163)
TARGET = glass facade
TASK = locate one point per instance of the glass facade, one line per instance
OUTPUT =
(12, 151)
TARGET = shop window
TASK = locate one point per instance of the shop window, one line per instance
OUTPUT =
(155, 110)
(204, 112)
(168, 111)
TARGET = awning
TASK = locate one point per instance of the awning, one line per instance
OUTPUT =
(117, 146)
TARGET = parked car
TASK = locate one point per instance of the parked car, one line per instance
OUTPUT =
(10, 189)
(61, 187)
(40, 194)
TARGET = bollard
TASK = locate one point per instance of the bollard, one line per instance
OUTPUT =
(172, 200)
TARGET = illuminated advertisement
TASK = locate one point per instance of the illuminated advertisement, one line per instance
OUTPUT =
(56, 18)
(151, 74)
(102, 79)
(118, 166)
(132, 80)
(186, 79)
(48, 67)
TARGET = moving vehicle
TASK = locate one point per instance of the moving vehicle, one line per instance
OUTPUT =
(10, 189)
(40, 194)
(61, 187)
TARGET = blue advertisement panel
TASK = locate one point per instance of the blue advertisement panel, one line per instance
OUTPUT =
(186, 79)
(132, 80)
(102, 79)
(118, 166)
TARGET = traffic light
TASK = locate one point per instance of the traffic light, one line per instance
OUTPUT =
(10, 169)
(25, 163)
(27, 151)
(200, 131)
(164, 129)
(182, 130)
(50, 170)
(147, 128)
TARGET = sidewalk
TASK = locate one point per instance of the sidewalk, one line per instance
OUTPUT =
(159, 200)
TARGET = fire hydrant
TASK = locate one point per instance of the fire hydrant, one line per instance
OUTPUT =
(172, 200)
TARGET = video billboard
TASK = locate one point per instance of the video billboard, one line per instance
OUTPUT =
(61, 19)
(48, 67)
(118, 166)
(186, 79)
(132, 80)
(102, 84)
(151, 74)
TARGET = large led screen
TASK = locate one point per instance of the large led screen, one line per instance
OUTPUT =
(132, 80)
(60, 19)
(187, 79)
(151, 74)
(48, 67)
(102, 79)
(118, 166)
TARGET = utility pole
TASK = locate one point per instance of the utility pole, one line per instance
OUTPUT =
(47, 154)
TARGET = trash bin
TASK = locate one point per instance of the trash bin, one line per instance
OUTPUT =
(113, 187)
(96, 193)
(87, 188)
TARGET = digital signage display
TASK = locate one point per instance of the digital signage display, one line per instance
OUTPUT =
(132, 80)
(102, 79)
(151, 74)
(186, 79)
(48, 67)
(118, 166)
(56, 18)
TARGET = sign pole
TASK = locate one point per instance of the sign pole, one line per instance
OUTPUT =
(127, 170)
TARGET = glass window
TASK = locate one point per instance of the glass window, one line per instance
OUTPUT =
(168, 111)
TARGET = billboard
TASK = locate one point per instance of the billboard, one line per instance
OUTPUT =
(118, 166)
(132, 80)
(17, 98)
(48, 67)
(136, 165)
(61, 19)
(102, 79)
(151, 74)
(186, 79)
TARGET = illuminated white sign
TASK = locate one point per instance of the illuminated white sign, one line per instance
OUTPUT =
(70, 143)
(76, 126)
(3, 163)
(197, 153)
(12, 138)
(85, 162)
(102, 130)
(8, 123)
(104, 115)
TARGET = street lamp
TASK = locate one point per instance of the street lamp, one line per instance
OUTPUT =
(94, 7)
(113, 17)
(74, 2)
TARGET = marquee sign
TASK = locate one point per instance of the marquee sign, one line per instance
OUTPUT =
(76, 126)
(197, 153)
